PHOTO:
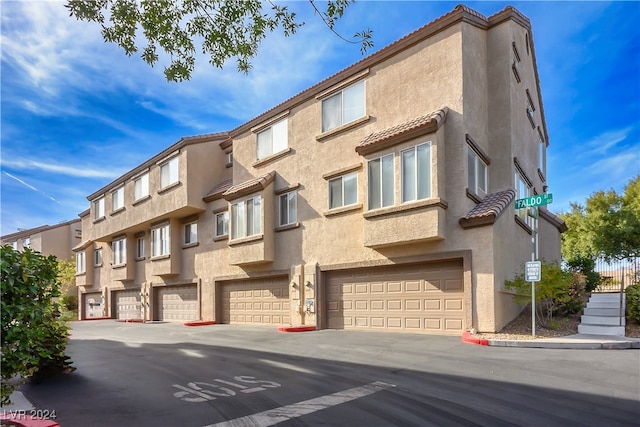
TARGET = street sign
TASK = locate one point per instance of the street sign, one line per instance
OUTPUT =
(532, 271)
(537, 200)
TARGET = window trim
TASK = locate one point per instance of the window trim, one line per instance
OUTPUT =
(141, 178)
(339, 91)
(99, 202)
(167, 163)
(272, 152)
(245, 215)
(341, 178)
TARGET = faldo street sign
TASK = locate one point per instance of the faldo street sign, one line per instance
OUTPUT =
(537, 200)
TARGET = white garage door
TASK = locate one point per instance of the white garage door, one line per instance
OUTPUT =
(177, 302)
(256, 301)
(422, 298)
(93, 305)
(128, 304)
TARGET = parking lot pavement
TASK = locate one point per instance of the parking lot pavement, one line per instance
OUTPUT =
(222, 375)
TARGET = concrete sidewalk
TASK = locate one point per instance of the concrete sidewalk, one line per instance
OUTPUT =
(577, 341)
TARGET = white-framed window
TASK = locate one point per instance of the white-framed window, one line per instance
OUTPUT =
(80, 263)
(416, 173)
(222, 224)
(381, 181)
(119, 248)
(98, 208)
(273, 139)
(288, 208)
(542, 153)
(160, 241)
(246, 218)
(343, 107)
(190, 233)
(26, 242)
(14, 245)
(343, 190)
(476, 173)
(140, 247)
(141, 187)
(169, 172)
(117, 199)
(97, 257)
(523, 190)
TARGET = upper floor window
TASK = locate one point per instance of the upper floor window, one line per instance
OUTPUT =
(141, 187)
(117, 199)
(381, 182)
(523, 189)
(191, 233)
(98, 208)
(246, 218)
(26, 242)
(476, 173)
(160, 241)
(222, 224)
(288, 208)
(273, 139)
(542, 152)
(140, 247)
(416, 173)
(169, 172)
(80, 263)
(119, 248)
(97, 257)
(343, 190)
(343, 107)
(14, 245)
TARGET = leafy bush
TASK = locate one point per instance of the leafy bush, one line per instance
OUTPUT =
(70, 302)
(33, 337)
(586, 266)
(557, 291)
(633, 302)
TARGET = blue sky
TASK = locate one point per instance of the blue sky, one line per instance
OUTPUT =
(76, 112)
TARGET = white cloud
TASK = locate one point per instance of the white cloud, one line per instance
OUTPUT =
(602, 143)
(73, 171)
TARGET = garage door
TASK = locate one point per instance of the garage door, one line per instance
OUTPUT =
(177, 303)
(128, 304)
(93, 305)
(422, 298)
(257, 301)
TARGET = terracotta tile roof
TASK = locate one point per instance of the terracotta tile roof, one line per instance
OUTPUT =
(488, 210)
(81, 246)
(217, 191)
(250, 186)
(399, 133)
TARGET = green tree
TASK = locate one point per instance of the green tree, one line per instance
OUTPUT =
(67, 276)
(33, 336)
(607, 227)
(226, 29)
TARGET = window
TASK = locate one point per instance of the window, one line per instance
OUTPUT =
(80, 263)
(272, 140)
(26, 242)
(190, 233)
(14, 245)
(160, 241)
(119, 248)
(141, 187)
(476, 173)
(117, 199)
(523, 190)
(245, 218)
(343, 191)
(169, 172)
(416, 173)
(531, 117)
(140, 247)
(97, 257)
(222, 224)
(288, 208)
(98, 208)
(542, 153)
(381, 182)
(343, 107)
(530, 101)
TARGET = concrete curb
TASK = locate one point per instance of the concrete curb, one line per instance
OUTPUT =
(577, 342)
(96, 318)
(130, 320)
(301, 328)
(469, 339)
(199, 323)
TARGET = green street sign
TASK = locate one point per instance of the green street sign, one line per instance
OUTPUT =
(537, 200)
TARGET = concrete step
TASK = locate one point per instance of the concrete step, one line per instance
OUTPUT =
(600, 330)
(606, 297)
(603, 320)
(604, 304)
(591, 311)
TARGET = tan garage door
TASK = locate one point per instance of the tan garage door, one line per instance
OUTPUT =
(128, 304)
(92, 305)
(423, 298)
(256, 301)
(177, 303)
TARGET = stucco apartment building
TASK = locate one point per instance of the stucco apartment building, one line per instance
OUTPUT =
(55, 240)
(379, 199)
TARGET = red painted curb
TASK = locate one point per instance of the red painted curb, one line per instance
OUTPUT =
(130, 320)
(200, 323)
(468, 338)
(296, 328)
(27, 420)
(97, 318)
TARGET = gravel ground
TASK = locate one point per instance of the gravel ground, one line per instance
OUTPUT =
(520, 328)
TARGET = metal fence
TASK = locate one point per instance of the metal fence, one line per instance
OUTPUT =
(617, 275)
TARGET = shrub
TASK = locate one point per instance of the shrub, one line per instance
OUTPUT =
(586, 266)
(70, 302)
(33, 337)
(633, 302)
